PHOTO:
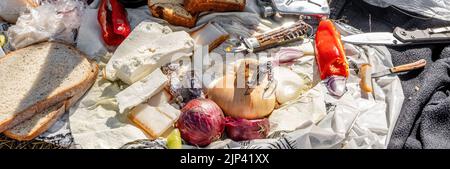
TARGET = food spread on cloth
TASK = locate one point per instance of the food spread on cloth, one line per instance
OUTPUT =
(182, 75)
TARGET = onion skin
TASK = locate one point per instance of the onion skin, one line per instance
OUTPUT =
(287, 56)
(239, 129)
(232, 98)
(336, 85)
(201, 122)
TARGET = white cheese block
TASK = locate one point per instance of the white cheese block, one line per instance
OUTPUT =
(154, 120)
(143, 34)
(169, 111)
(151, 56)
(162, 97)
(143, 52)
(211, 35)
(141, 91)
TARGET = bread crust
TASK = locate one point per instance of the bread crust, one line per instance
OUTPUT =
(197, 6)
(65, 106)
(51, 100)
(172, 17)
(146, 130)
(54, 115)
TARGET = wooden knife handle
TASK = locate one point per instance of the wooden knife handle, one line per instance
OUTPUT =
(410, 66)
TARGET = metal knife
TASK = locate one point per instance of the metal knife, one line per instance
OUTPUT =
(401, 37)
(402, 68)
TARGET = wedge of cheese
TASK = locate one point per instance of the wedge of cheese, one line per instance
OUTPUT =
(144, 33)
(154, 120)
(211, 35)
(147, 48)
(141, 91)
(160, 98)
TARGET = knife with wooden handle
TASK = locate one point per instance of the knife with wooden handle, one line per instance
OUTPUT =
(402, 68)
(275, 37)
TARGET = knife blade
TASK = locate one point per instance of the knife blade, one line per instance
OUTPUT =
(401, 37)
(376, 38)
(402, 68)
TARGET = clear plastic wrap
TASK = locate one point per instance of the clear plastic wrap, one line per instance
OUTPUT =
(52, 21)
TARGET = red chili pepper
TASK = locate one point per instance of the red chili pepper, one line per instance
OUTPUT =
(106, 19)
(119, 18)
(330, 55)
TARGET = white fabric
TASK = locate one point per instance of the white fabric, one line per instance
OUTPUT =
(439, 9)
(95, 122)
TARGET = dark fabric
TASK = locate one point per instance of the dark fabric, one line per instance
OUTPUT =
(424, 120)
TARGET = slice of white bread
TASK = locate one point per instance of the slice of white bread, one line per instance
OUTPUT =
(197, 6)
(40, 76)
(173, 12)
(39, 123)
(42, 121)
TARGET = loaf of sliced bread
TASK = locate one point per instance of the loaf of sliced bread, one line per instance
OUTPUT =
(42, 121)
(40, 76)
(197, 6)
(173, 12)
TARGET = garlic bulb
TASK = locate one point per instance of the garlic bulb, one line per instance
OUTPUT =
(290, 85)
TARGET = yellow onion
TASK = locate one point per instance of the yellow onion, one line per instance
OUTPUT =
(236, 100)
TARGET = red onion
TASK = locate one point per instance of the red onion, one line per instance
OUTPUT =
(201, 122)
(336, 85)
(243, 129)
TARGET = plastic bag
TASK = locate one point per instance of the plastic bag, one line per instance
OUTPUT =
(439, 9)
(10, 10)
(55, 20)
(89, 38)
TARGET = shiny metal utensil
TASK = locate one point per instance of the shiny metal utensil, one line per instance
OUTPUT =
(401, 37)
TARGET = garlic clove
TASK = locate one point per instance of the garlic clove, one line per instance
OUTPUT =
(290, 84)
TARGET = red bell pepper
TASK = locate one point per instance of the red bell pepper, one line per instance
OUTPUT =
(120, 21)
(107, 18)
(330, 55)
